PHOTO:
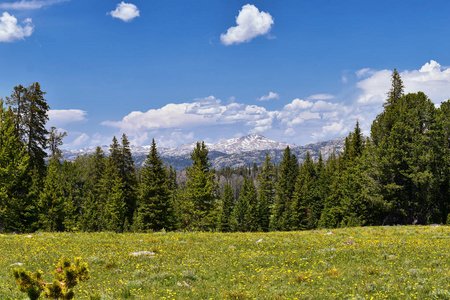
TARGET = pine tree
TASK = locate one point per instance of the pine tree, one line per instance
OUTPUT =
(30, 110)
(156, 208)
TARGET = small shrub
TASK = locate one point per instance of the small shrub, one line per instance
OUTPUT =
(67, 276)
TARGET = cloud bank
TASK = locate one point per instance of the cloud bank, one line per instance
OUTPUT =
(11, 31)
(125, 11)
(250, 24)
(299, 121)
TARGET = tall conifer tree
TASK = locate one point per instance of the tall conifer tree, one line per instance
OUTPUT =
(155, 211)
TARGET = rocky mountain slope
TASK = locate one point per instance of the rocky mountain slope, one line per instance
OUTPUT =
(232, 153)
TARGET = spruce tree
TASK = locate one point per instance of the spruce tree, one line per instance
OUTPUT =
(14, 162)
(200, 189)
(266, 192)
(402, 137)
(51, 199)
(128, 175)
(91, 167)
(306, 206)
(111, 199)
(288, 172)
(227, 207)
(155, 211)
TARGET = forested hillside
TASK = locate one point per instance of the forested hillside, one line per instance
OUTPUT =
(398, 175)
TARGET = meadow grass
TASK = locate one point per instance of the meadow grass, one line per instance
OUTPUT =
(401, 262)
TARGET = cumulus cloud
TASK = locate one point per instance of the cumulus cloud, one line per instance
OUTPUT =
(31, 4)
(298, 104)
(204, 106)
(59, 117)
(250, 24)
(201, 113)
(301, 121)
(432, 79)
(125, 11)
(334, 129)
(268, 97)
(169, 116)
(10, 30)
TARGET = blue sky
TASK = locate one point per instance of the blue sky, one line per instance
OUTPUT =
(191, 70)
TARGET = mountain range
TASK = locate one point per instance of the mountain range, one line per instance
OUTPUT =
(233, 153)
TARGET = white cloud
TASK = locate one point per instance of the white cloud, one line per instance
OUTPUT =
(334, 129)
(374, 87)
(298, 104)
(320, 97)
(269, 97)
(58, 117)
(32, 4)
(300, 121)
(11, 31)
(250, 24)
(169, 116)
(431, 78)
(125, 11)
(204, 106)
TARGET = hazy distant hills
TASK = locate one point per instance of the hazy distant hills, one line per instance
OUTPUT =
(233, 153)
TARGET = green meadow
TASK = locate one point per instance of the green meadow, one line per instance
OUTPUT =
(400, 262)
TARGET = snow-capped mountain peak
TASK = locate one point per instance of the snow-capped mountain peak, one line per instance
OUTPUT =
(247, 143)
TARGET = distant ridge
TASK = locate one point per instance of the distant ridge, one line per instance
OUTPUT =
(232, 153)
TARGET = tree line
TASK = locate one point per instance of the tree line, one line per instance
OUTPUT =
(398, 175)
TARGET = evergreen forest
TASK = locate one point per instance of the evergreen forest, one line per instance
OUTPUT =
(400, 174)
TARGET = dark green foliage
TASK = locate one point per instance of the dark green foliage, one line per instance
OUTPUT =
(266, 193)
(127, 172)
(90, 169)
(30, 111)
(226, 212)
(287, 177)
(111, 199)
(306, 206)
(200, 191)
(246, 213)
(402, 158)
(156, 208)
(13, 175)
(51, 199)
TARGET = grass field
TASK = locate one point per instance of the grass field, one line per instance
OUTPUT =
(411, 262)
